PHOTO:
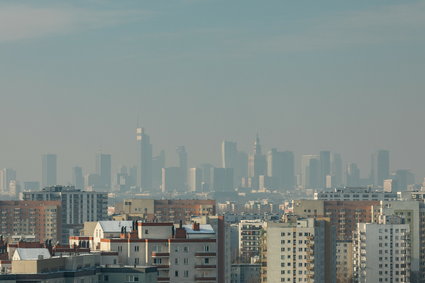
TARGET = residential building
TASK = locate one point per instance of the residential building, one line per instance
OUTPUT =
(77, 206)
(40, 219)
(245, 273)
(354, 194)
(249, 239)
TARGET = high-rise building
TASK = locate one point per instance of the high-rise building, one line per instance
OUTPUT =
(77, 206)
(78, 178)
(172, 180)
(103, 170)
(300, 250)
(229, 154)
(222, 179)
(310, 171)
(280, 169)
(404, 178)
(206, 169)
(257, 164)
(182, 159)
(158, 163)
(249, 238)
(145, 160)
(41, 219)
(241, 170)
(325, 167)
(382, 253)
(195, 180)
(337, 169)
(49, 177)
(6, 176)
(352, 175)
(380, 167)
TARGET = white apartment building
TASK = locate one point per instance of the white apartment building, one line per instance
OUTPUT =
(355, 194)
(300, 250)
(184, 254)
(382, 253)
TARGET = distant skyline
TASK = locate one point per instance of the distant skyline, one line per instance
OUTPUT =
(77, 76)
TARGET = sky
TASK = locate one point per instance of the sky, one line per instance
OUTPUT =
(77, 77)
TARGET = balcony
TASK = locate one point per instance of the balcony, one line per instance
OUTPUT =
(205, 266)
(155, 254)
(205, 254)
(163, 279)
(162, 266)
(201, 279)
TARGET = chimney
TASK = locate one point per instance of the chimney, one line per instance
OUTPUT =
(195, 226)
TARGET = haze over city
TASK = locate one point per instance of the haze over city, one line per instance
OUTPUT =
(78, 77)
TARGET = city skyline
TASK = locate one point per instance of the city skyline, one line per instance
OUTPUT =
(324, 76)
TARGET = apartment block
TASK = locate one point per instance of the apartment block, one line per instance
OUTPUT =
(40, 220)
(300, 250)
(77, 206)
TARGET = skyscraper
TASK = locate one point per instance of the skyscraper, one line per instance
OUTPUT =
(310, 165)
(380, 167)
(288, 173)
(353, 175)
(49, 169)
(103, 169)
(337, 169)
(229, 154)
(275, 168)
(158, 162)
(195, 180)
(325, 167)
(182, 158)
(257, 164)
(222, 179)
(78, 178)
(6, 175)
(145, 160)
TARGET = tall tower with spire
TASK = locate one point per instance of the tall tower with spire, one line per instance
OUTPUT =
(145, 160)
(257, 164)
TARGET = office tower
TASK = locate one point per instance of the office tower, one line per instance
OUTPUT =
(206, 169)
(404, 178)
(242, 166)
(229, 154)
(325, 167)
(49, 170)
(337, 170)
(353, 175)
(40, 219)
(132, 176)
(195, 180)
(6, 176)
(182, 159)
(103, 170)
(288, 170)
(78, 178)
(275, 168)
(145, 160)
(300, 250)
(257, 165)
(222, 179)
(310, 171)
(77, 207)
(380, 167)
(382, 253)
(158, 163)
(172, 180)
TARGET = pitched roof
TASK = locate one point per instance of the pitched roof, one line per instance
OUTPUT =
(115, 226)
(31, 253)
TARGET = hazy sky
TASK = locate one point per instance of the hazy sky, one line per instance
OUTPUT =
(347, 76)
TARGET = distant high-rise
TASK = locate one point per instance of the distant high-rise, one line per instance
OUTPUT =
(229, 154)
(195, 180)
(353, 175)
(222, 179)
(182, 158)
(380, 167)
(78, 178)
(6, 176)
(158, 163)
(49, 169)
(145, 160)
(325, 167)
(103, 169)
(257, 164)
(337, 170)
(280, 169)
(404, 178)
(310, 171)
(288, 173)
(172, 180)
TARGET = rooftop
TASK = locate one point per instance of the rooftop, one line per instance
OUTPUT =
(31, 253)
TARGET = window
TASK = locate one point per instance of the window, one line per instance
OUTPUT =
(206, 260)
(106, 278)
(185, 249)
(146, 231)
(207, 248)
(176, 261)
(186, 273)
(136, 248)
(176, 273)
(186, 261)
